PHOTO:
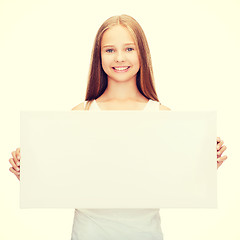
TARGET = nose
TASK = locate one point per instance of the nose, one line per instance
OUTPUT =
(119, 57)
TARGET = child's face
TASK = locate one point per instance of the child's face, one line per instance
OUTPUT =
(119, 54)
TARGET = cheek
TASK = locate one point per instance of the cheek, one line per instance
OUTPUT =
(106, 61)
(135, 60)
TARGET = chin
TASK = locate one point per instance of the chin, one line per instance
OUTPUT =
(133, 78)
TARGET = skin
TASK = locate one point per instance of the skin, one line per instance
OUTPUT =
(122, 92)
(115, 52)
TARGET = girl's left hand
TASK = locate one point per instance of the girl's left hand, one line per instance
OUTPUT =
(220, 149)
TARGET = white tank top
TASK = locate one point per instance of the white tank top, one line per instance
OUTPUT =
(118, 224)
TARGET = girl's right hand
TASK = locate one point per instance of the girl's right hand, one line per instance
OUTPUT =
(15, 162)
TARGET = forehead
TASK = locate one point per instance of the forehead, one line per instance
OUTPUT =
(117, 34)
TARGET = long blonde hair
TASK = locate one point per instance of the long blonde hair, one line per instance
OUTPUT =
(97, 79)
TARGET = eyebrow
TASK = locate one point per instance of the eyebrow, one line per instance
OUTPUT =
(126, 44)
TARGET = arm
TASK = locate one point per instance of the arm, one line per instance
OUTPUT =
(79, 107)
(162, 107)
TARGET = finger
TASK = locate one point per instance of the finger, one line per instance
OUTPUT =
(218, 139)
(17, 162)
(222, 159)
(219, 152)
(18, 155)
(219, 144)
(219, 164)
(16, 168)
(17, 174)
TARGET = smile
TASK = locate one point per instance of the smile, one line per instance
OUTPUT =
(121, 69)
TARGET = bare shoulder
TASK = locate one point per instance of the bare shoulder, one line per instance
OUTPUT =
(162, 107)
(79, 107)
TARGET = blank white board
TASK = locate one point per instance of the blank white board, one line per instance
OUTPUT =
(118, 159)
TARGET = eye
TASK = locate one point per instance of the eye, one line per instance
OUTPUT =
(109, 50)
(129, 49)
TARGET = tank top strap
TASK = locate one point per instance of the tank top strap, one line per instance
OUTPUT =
(93, 105)
(152, 105)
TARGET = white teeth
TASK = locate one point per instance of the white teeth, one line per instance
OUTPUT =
(120, 69)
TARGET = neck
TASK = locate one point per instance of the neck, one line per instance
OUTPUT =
(121, 91)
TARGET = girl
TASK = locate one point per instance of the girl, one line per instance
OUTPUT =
(120, 78)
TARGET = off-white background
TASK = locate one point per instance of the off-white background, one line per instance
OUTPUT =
(45, 49)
